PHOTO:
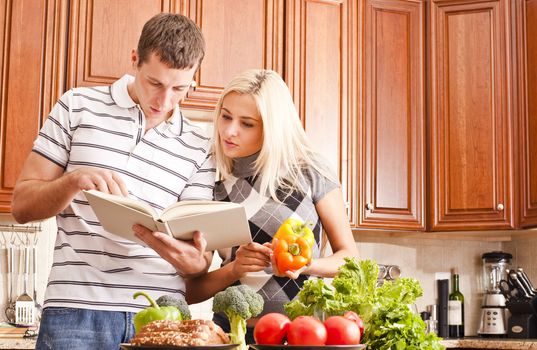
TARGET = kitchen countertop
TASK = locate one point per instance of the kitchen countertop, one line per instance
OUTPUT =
(491, 343)
(17, 343)
(467, 343)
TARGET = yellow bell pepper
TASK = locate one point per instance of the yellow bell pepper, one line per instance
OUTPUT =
(295, 227)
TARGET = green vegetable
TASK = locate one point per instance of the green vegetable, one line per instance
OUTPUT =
(154, 312)
(389, 322)
(179, 303)
(316, 297)
(238, 303)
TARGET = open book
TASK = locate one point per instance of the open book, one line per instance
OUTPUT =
(224, 224)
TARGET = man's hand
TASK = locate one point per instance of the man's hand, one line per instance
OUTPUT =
(188, 258)
(98, 179)
(251, 257)
(44, 188)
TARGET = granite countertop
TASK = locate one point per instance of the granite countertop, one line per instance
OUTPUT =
(17, 343)
(491, 343)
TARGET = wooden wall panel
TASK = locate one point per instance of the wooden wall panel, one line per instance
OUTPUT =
(469, 116)
(240, 34)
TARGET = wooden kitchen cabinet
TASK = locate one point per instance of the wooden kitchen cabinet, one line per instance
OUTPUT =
(471, 149)
(321, 42)
(427, 109)
(30, 38)
(89, 42)
(240, 34)
(525, 86)
(447, 124)
(392, 128)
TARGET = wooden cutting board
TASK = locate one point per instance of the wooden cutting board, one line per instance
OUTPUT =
(12, 332)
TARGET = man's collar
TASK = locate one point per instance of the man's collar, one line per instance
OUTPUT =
(120, 92)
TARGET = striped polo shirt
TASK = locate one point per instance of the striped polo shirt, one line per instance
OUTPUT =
(103, 127)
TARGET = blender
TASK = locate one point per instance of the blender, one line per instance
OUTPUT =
(494, 313)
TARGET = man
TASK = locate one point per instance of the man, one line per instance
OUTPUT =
(130, 139)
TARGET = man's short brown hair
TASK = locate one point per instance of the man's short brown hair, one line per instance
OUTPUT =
(176, 39)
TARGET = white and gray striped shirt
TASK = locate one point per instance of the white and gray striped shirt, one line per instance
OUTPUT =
(103, 127)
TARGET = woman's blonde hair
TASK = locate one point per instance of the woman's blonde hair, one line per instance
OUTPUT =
(285, 150)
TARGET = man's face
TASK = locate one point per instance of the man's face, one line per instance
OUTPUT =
(158, 88)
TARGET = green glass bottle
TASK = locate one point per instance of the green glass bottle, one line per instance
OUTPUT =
(455, 308)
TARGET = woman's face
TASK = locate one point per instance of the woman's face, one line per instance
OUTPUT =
(240, 126)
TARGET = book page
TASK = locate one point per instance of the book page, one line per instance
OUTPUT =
(125, 201)
(193, 207)
(223, 228)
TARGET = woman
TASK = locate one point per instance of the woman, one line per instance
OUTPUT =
(267, 164)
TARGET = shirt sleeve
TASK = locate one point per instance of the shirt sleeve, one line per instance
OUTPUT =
(320, 184)
(54, 139)
(201, 184)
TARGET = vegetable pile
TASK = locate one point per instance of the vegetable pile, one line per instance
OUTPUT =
(276, 329)
(239, 303)
(389, 322)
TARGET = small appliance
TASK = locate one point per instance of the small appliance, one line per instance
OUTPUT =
(494, 313)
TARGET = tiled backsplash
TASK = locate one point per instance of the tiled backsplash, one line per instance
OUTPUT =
(420, 258)
(423, 258)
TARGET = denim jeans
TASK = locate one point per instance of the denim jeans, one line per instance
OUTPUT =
(68, 328)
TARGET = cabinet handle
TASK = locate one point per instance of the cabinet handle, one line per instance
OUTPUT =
(500, 207)
(369, 206)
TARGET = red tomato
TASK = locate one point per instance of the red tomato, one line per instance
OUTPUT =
(306, 330)
(353, 316)
(341, 331)
(271, 328)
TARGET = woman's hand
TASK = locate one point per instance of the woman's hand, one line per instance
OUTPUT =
(251, 257)
(188, 257)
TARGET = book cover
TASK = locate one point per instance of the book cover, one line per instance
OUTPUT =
(224, 224)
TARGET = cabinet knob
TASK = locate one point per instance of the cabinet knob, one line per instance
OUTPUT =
(193, 84)
(500, 206)
(369, 206)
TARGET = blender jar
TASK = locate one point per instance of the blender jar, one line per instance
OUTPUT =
(495, 266)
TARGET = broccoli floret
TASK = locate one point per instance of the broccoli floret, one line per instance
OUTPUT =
(179, 303)
(239, 303)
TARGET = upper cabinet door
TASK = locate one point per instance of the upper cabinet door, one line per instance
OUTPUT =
(240, 35)
(28, 56)
(470, 109)
(102, 35)
(320, 37)
(392, 128)
(526, 82)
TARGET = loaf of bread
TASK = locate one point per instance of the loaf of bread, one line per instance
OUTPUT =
(181, 333)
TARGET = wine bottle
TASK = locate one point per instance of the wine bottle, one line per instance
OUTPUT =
(455, 308)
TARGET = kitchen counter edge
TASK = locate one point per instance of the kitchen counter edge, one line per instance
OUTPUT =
(491, 343)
